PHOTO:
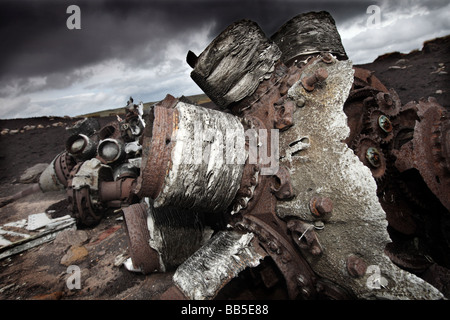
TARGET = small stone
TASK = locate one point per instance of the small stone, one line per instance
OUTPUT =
(71, 237)
(74, 255)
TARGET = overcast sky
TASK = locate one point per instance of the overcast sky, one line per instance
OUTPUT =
(138, 48)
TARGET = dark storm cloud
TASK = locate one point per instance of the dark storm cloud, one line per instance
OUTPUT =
(37, 41)
(139, 47)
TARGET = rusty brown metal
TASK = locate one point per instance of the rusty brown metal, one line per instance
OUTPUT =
(81, 146)
(111, 150)
(304, 236)
(82, 208)
(321, 207)
(110, 130)
(319, 75)
(371, 154)
(117, 193)
(143, 257)
(157, 148)
(283, 189)
(64, 164)
(300, 279)
(429, 157)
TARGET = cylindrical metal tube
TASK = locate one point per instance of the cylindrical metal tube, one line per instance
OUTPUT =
(111, 150)
(193, 158)
(55, 176)
(309, 33)
(81, 146)
(234, 64)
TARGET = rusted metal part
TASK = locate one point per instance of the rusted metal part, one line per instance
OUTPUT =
(420, 144)
(414, 262)
(282, 189)
(143, 257)
(428, 156)
(361, 102)
(379, 126)
(83, 191)
(55, 176)
(321, 207)
(64, 164)
(284, 113)
(402, 220)
(110, 130)
(365, 78)
(371, 154)
(157, 148)
(304, 236)
(81, 147)
(111, 151)
(319, 75)
(299, 277)
(389, 103)
(117, 193)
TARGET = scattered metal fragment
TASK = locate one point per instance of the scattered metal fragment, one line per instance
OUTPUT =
(221, 259)
(37, 230)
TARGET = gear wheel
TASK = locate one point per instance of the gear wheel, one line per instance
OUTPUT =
(389, 103)
(379, 126)
(370, 153)
(431, 144)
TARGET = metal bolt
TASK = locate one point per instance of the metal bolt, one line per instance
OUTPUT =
(373, 156)
(327, 58)
(319, 75)
(388, 99)
(321, 207)
(300, 102)
(384, 123)
(356, 266)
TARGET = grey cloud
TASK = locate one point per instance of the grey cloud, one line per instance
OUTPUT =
(135, 31)
(39, 52)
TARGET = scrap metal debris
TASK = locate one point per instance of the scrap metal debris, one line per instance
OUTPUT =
(314, 176)
(22, 235)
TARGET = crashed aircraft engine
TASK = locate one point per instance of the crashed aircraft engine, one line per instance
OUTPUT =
(290, 167)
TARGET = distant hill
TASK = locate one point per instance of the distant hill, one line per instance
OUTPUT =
(198, 99)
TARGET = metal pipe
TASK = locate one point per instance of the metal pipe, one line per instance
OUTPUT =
(111, 150)
(81, 147)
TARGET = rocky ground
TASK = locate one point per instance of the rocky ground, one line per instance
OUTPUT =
(43, 272)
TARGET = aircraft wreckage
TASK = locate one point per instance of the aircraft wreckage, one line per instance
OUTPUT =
(307, 161)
